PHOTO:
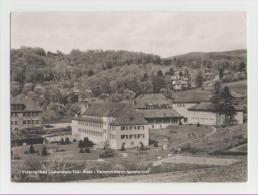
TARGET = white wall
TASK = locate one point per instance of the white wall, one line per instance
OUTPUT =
(240, 117)
(182, 108)
(203, 118)
(117, 142)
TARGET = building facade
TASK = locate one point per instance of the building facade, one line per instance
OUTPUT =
(182, 108)
(117, 123)
(204, 113)
(157, 110)
(24, 114)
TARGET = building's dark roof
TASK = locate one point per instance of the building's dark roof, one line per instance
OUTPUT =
(90, 119)
(29, 104)
(161, 113)
(143, 100)
(124, 113)
(105, 109)
(130, 117)
(208, 107)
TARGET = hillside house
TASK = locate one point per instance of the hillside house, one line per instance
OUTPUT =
(24, 113)
(181, 80)
(118, 123)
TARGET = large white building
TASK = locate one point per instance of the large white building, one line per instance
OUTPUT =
(118, 123)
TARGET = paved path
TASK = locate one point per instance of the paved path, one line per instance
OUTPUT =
(237, 147)
(199, 160)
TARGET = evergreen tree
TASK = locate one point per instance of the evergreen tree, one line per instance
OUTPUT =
(223, 103)
(44, 151)
(31, 150)
(199, 79)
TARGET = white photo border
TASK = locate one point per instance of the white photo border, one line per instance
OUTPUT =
(249, 6)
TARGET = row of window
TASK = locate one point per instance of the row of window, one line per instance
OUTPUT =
(180, 105)
(90, 132)
(132, 128)
(26, 114)
(135, 136)
(203, 119)
(14, 122)
(17, 106)
(88, 124)
(157, 106)
(30, 122)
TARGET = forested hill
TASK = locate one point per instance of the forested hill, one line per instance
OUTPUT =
(57, 80)
(228, 59)
(35, 64)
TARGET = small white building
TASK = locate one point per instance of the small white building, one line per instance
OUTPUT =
(118, 123)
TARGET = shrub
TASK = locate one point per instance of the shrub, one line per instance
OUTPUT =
(107, 154)
(142, 146)
(81, 144)
(74, 140)
(31, 150)
(81, 150)
(87, 142)
(44, 151)
(60, 150)
(123, 147)
(198, 124)
(67, 141)
(87, 150)
(62, 141)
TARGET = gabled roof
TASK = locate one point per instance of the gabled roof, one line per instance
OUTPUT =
(124, 113)
(208, 107)
(143, 100)
(29, 104)
(161, 113)
(105, 109)
(130, 117)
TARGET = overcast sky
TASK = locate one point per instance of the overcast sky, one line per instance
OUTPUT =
(165, 34)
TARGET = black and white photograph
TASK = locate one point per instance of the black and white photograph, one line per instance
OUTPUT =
(128, 97)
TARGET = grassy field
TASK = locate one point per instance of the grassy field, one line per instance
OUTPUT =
(179, 134)
(68, 157)
(192, 95)
(223, 139)
(232, 173)
(239, 87)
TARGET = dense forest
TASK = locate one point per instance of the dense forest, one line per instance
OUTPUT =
(56, 80)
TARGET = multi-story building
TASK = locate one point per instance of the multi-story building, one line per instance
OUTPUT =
(117, 123)
(24, 113)
(157, 110)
